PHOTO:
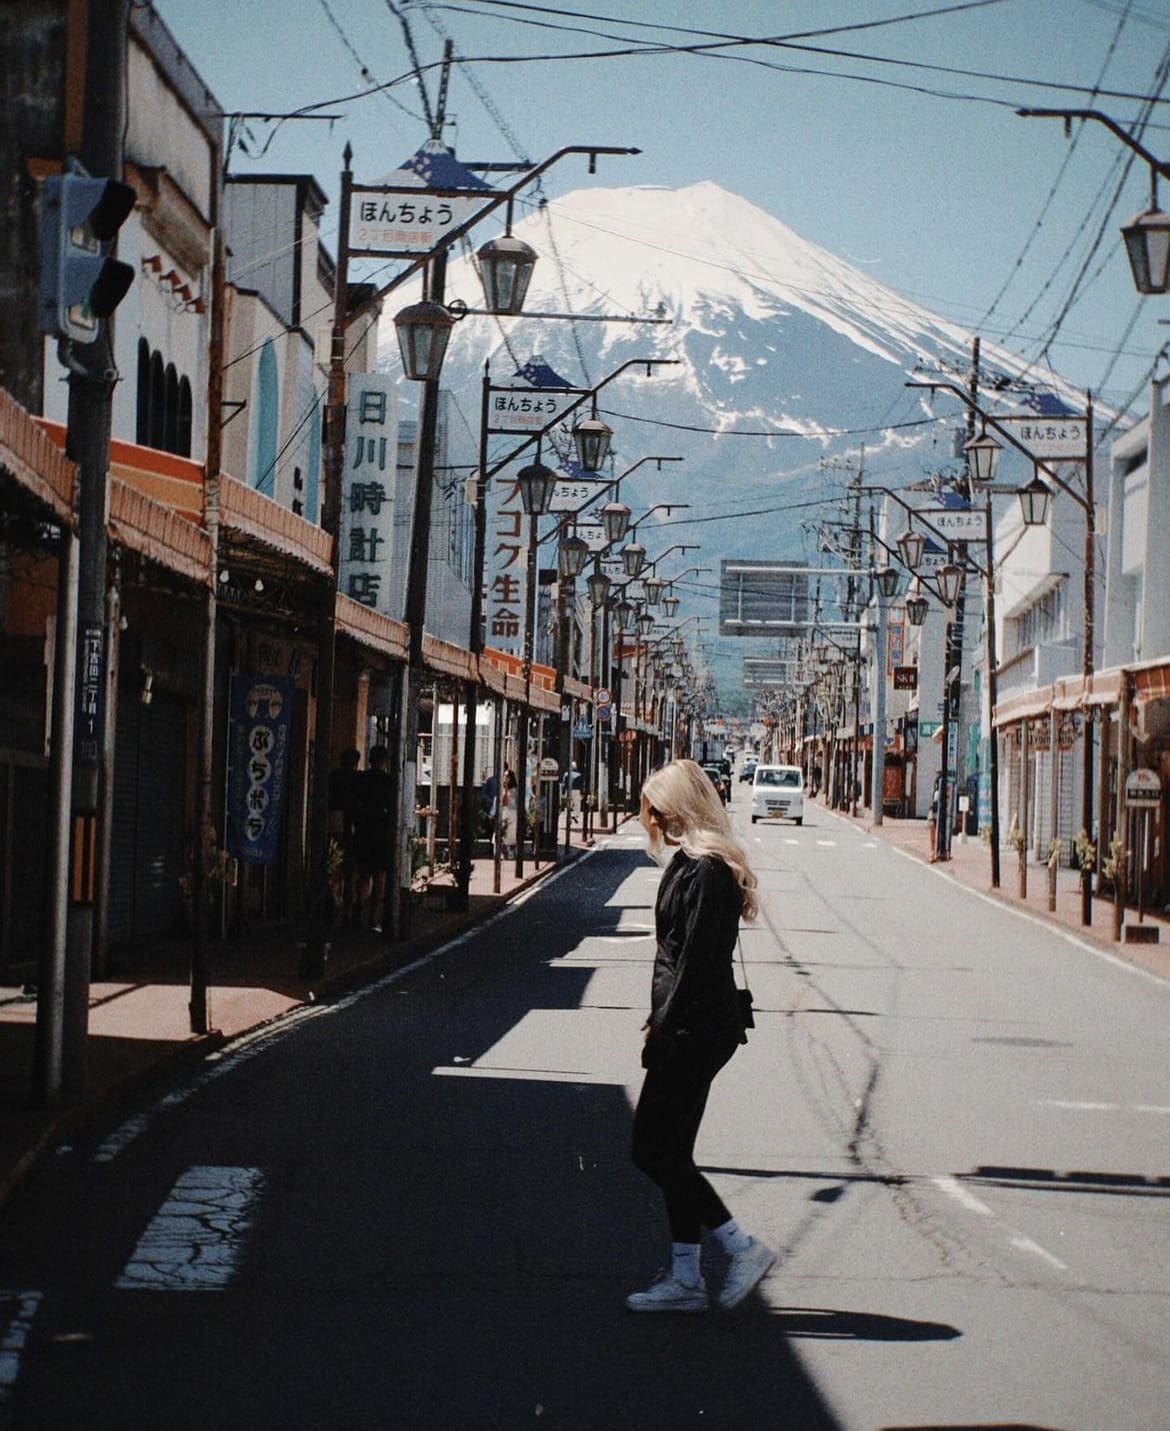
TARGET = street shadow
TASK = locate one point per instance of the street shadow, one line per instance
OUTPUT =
(1053, 1180)
(449, 1225)
(826, 1324)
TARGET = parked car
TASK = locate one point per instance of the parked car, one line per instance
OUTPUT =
(748, 769)
(717, 779)
(778, 793)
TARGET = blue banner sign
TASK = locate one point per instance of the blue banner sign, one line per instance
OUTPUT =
(261, 725)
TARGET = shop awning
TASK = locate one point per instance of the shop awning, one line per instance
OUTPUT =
(1152, 683)
(1023, 705)
(157, 533)
(244, 512)
(33, 463)
(371, 628)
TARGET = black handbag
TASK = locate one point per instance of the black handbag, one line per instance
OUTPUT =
(745, 996)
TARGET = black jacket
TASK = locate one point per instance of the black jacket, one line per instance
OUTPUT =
(696, 919)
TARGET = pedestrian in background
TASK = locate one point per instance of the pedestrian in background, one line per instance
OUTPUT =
(343, 798)
(509, 815)
(373, 822)
(696, 1023)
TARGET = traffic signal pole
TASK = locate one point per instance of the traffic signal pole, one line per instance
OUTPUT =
(62, 1032)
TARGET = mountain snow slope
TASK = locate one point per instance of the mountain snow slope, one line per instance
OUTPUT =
(790, 369)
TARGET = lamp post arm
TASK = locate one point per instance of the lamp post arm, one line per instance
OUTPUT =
(584, 397)
(1157, 166)
(1013, 440)
(501, 196)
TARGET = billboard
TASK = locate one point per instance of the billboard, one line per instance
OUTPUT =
(763, 598)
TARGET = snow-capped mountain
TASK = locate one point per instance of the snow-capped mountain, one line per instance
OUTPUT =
(790, 363)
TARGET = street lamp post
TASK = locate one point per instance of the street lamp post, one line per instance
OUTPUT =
(1034, 499)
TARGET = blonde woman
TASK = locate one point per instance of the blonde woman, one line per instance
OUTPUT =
(695, 1026)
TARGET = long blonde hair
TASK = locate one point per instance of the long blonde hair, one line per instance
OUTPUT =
(689, 809)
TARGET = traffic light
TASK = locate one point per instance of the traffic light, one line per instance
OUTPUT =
(80, 283)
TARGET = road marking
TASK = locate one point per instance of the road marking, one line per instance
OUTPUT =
(1025, 1244)
(1086, 1107)
(954, 1188)
(17, 1310)
(832, 844)
(195, 1241)
(523, 1075)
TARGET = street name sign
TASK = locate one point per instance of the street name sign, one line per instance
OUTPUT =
(1049, 437)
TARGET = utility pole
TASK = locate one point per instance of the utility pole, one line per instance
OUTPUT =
(91, 391)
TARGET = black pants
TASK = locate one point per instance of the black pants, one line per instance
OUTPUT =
(666, 1124)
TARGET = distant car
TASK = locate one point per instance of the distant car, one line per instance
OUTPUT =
(717, 779)
(778, 793)
(748, 769)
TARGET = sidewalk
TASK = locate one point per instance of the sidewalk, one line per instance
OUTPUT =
(970, 865)
(139, 1029)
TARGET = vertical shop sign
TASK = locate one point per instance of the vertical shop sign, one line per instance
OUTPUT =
(261, 724)
(368, 490)
(507, 568)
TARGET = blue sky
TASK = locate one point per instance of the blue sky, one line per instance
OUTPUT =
(909, 162)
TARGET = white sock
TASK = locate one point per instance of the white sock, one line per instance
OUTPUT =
(684, 1266)
(731, 1237)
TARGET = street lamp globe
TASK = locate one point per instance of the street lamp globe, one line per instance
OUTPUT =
(633, 558)
(572, 554)
(983, 457)
(916, 608)
(645, 623)
(622, 614)
(423, 330)
(537, 483)
(949, 578)
(653, 586)
(505, 266)
(598, 584)
(615, 518)
(887, 580)
(670, 605)
(911, 546)
(1034, 501)
(591, 439)
(1147, 245)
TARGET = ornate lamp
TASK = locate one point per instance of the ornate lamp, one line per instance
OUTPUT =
(949, 578)
(887, 581)
(633, 558)
(622, 615)
(1147, 245)
(591, 439)
(982, 457)
(615, 518)
(598, 584)
(911, 545)
(423, 330)
(505, 266)
(572, 554)
(645, 623)
(537, 483)
(1034, 500)
(670, 605)
(916, 608)
(653, 585)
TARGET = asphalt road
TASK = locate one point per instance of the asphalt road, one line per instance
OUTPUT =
(414, 1208)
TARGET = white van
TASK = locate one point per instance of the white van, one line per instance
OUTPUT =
(778, 793)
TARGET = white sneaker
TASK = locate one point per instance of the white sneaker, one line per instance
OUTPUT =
(667, 1294)
(744, 1270)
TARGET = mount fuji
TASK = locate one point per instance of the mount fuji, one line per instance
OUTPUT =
(791, 371)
